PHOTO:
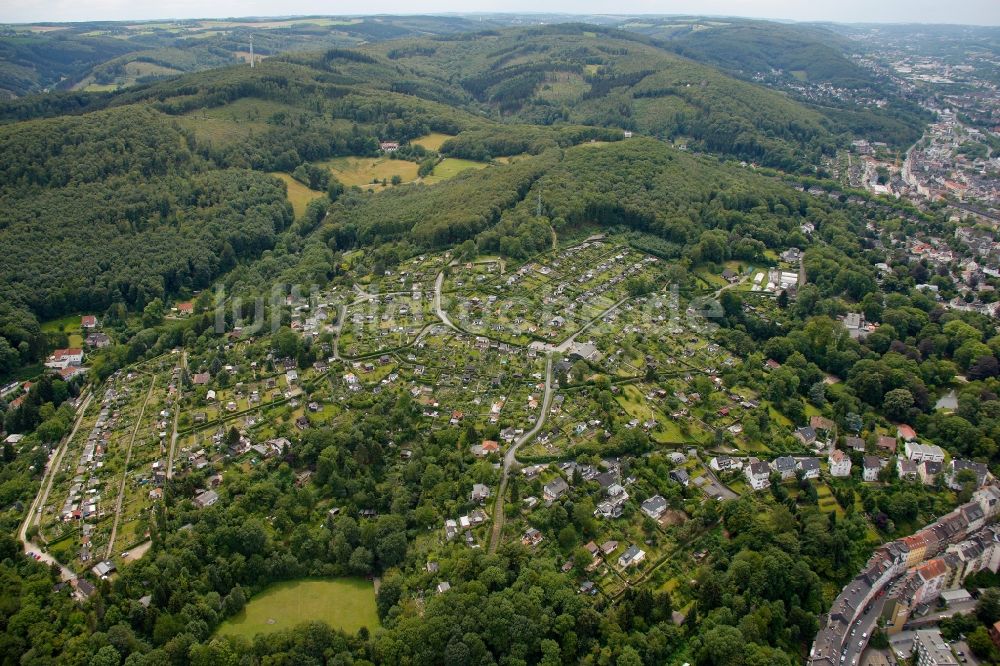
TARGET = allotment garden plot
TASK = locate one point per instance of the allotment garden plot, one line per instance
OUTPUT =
(109, 463)
(549, 298)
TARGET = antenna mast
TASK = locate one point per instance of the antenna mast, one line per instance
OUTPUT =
(538, 212)
(251, 51)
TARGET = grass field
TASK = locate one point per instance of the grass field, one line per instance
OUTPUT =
(298, 194)
(70, 324)
(432, 141)
(343, 603)
(235, 121)
(451, 167)
(361, 171)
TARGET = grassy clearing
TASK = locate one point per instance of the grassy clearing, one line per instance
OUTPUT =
(451, 167)
(343, 603)
(298, 194)
(136, 69)
(432, 141)
(361, 171)
(233, 122)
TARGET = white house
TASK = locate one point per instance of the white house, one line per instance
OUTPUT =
(916, 452)
(809, 467)
(870, 468)
(757, 475)
(840, 463)
(654, 507)
(631, 557)
(62, 358)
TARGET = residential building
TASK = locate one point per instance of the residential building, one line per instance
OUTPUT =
(480, 493)
(855, 444)
(632, 556)
(840, 463)
(931, 649)
(555, 489)
(919, 452)
(870, 468)
(532, 537)
(806, 435)
(785, 466)
(809, 467)
(886, 443)
(906, 469)
(981, 472)
(654, 507)
(757, 474)
(206, 499)
(63, 358)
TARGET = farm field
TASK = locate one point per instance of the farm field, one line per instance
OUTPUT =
(451, 167)
(362, 171)
(298, 194)
(432, 141)
(345, 603)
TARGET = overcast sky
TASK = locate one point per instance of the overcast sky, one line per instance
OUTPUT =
(981, 12)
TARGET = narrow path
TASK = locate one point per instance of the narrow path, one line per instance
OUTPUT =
(441, 314)
(511, 457)
(337, 328)
(45, 489)
(177, 413)
(128, 457)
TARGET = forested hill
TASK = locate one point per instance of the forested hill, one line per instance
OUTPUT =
(104, 55)
(599, 76)
(812, 54)
(114, 208)
(120, 198)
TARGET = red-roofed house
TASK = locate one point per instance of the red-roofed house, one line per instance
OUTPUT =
(185, 308)
(62, 358)
(88, 321)
(907, 433)
(933, 575)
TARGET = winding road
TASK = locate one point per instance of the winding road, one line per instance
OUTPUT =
(511, 457)
(45, 488)
(438, 310)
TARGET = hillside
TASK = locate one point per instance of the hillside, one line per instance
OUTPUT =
(596, 76)
(107, 55)
(807, 54)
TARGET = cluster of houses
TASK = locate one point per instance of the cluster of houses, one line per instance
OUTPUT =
(913, 571)
(918, 462)
(83, 499)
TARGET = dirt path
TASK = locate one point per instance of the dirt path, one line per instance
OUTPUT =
(177, 413)
(128, 457)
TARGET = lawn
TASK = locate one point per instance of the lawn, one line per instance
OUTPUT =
(451, 167)
(70, 325)
(298, 194)
(361, 171)
(432, 141)
(343, 603)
